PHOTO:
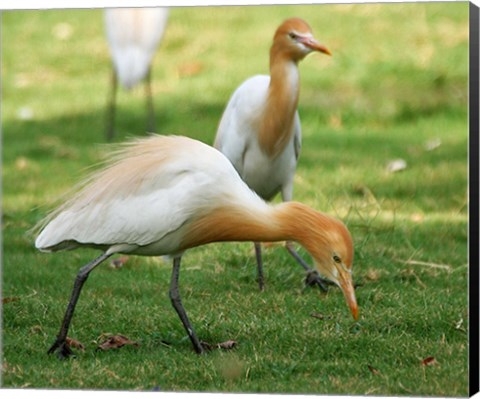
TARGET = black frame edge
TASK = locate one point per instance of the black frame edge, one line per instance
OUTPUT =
(474, 282)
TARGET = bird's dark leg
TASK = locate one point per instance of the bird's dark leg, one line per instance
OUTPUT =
(60, 343)
(312, 275)
(112, 103)
(258, 256)
(149, 97)
(177, 304)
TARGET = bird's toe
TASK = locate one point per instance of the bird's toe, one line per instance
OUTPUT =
(312, 278)
(62, 349)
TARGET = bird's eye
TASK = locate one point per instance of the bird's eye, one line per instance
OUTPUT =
(337, 259)
(293, 35)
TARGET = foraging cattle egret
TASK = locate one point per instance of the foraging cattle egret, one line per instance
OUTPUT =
(133, 35)
(260, 128)
(163, 195)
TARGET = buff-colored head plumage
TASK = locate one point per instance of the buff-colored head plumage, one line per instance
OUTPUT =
(294, 39)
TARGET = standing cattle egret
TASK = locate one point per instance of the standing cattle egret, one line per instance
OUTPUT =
(260, 128)
(163, 195)
(133, 35)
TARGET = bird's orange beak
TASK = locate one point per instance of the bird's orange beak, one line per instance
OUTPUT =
(346, 284)
(311, 43)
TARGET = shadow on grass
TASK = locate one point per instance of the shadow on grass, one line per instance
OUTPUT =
(89, 127)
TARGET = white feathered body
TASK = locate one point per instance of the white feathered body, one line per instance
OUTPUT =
(238, 138)
(165, 194)
(133, 36)
(146, 200)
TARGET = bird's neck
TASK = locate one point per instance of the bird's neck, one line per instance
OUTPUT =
(290, 221)
(281, 105)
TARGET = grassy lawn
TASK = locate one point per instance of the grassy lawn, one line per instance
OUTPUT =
(395, 88)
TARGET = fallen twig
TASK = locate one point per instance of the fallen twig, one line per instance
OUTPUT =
(429, 264)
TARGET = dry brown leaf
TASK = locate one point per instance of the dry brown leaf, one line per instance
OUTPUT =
(317, 315)
(429, 361)
(21, 163)
(373, 370)
(227, 345)
(10, 299)
(110, 373)
(73, 343)
(119, 262)
(417, 217)
(36, 329)
(115, 342)
(373, 275)
(335, 121)
(190, 69)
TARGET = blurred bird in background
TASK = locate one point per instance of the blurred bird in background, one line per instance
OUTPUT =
(133, 36)
(260, 128)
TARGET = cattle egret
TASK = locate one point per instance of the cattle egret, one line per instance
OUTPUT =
(260, 128)
(162, 195)
(133, 36)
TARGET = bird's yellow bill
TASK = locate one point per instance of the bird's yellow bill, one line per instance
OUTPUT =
(315, 45)
(346, 284)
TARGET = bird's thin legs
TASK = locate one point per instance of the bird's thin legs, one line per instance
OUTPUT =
(297, 257)
(312, 276)
(110, 131)
(177, 304)
(60, 343)
(149, 97)
(258, 256)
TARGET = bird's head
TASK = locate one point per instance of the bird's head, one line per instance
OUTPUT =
(294, 38)
(335, 261)
(333, 257)
(330, 244)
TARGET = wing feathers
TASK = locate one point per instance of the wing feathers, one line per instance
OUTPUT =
(148, 189)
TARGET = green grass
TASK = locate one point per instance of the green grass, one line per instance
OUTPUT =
(397, 80)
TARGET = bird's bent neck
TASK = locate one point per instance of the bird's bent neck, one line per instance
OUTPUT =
(278, 114)
(291, 221)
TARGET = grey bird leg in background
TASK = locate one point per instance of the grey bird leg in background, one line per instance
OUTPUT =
(311, 279)
(60, 343)
(110, 131)
(258, 256)
(149, 97)
(177, 304)
(312, 275)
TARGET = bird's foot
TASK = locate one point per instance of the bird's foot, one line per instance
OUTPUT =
(261, 285)
(313, 279)
(61, 348)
